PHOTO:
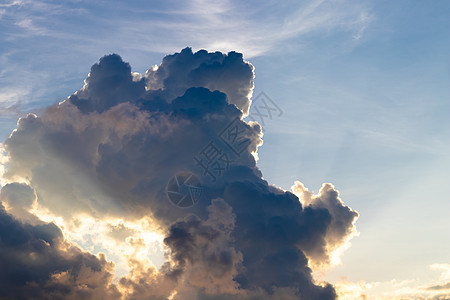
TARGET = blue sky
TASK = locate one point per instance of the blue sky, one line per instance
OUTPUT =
(364, 87)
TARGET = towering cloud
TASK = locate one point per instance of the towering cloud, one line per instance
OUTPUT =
(108, 153)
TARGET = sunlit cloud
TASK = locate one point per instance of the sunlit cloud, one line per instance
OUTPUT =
(438, 288)
(95, 170)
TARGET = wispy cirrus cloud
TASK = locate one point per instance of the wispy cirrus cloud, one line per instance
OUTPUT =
(251, 28)
(43, 34)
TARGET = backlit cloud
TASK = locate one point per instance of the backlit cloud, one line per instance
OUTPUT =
(98, 165)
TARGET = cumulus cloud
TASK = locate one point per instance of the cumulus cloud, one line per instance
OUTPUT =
(107, 153)
(342, 220)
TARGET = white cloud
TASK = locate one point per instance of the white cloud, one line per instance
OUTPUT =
(444, 268)
(253, 31)
(408, 289)
(250, 28)
(11, 4)
(11, 95)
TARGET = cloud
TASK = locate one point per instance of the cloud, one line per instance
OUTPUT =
(445, 286)
(251, 27)
(229, 74)
(341, 228)
(39, 35)
(19, 199)
(444, 268)
(432, 288)
(267, 26)
(38, 263)
(10, 101)
(111, 82)
(100, 162)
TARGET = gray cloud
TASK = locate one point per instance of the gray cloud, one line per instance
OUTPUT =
(109, 83)
(229, 74)
(109, 150)
(205, 251)
(445, 286)
(37, 263)
(341, 218)
(19, 198)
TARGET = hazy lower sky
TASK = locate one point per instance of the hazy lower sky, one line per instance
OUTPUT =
(362, 90)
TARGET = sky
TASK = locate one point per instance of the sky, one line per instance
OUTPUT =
(360, 96)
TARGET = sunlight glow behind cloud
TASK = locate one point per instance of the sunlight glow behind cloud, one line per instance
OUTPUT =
(97, 166)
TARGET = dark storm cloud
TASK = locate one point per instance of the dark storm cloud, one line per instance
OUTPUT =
(272, 230)
(110, 149)
(36, 263)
